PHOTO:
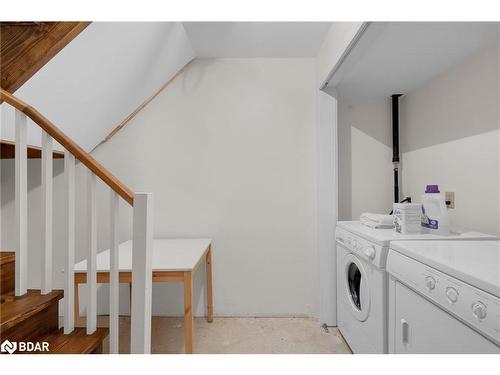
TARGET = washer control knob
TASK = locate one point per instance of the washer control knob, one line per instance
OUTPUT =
(479, 310)
(452, 294)
(430, 283)
(370, 252)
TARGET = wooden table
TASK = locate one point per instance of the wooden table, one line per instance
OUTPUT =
(173, 260)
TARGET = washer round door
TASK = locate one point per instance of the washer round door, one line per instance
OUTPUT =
(356, 288)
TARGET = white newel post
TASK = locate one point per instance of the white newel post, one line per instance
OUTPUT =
(46, 262)
(69, 177)
(140, 338)
(92, 253)
(21, 196)
(114, 275)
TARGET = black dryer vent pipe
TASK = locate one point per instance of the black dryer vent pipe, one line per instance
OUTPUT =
(395, 143)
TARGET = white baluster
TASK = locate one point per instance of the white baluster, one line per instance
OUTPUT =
(140, 336)
(46, 285)
(91, 258)
(21, 196)
(114, 276)
(69, 176)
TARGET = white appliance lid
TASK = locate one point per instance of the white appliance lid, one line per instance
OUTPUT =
(474, 262)
(383, 237)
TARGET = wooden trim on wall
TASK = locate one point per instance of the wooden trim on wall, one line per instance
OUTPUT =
(142, 106)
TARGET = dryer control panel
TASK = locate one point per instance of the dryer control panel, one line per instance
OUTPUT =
(478, 309)
(363, 248)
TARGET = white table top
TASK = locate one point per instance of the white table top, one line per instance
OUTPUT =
(168, 255)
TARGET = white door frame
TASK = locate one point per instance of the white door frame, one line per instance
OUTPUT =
(327, 166)
(327, 205)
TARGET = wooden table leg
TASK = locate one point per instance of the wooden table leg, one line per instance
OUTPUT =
(188, 312)
(77, 306)
(210, 303)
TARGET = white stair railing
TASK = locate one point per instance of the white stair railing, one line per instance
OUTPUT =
(47, 195)
(142, 231)
(92, 253)
(114, 285)
(69, 284)
(21, 196)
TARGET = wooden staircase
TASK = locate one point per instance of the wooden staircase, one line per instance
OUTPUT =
(17, 311)
(34, 317)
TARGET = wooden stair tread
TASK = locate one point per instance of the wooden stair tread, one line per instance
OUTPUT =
(7, 257)
(77, 342)
(19, 309)
(7, 273)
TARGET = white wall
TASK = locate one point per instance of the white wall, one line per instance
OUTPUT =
(450, 135)
(101, 77)
(470, 167)
(229, 153)
(365, 157)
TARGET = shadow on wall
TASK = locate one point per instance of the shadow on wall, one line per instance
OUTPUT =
(450, 135)
(192, 78)
(344, 163)
(364, 147)
(7, 168)
(459, 103)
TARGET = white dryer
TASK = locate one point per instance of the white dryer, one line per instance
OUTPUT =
(362, 281)
(444, 297)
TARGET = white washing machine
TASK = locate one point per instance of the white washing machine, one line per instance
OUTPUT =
(444, 297)
(362, 281)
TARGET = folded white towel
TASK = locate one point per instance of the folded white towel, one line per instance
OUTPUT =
(377, 220)
(374, 225)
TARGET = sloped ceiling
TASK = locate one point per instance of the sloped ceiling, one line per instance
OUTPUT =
(256, 39)
(111, 68)
(102, 76)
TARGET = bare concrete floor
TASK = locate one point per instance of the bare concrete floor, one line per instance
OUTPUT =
(238, 335)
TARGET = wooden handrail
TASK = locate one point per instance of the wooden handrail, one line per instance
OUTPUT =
(79, 153)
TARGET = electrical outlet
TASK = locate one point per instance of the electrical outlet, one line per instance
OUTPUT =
(449, 197)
